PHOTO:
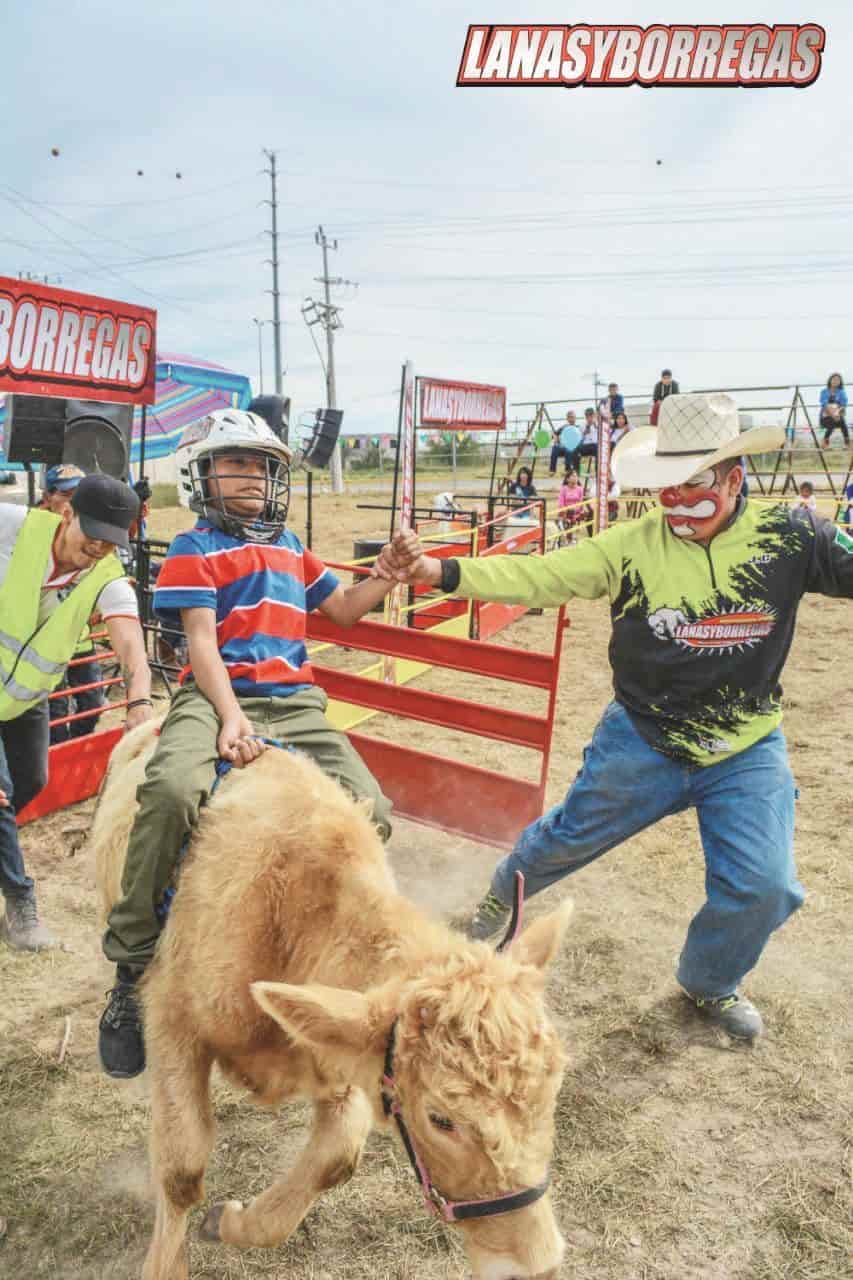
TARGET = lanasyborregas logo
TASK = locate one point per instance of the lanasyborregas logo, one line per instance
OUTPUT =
(751, 56)
(740, 629)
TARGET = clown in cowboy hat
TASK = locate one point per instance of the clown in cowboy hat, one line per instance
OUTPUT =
(703, 592)
(681, 457)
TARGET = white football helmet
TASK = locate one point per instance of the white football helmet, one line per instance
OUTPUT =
(229, 431)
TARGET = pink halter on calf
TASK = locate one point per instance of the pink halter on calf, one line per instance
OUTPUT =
(457, 1210)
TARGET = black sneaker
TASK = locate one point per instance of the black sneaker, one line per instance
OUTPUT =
(489, 918)
(121, 1046)
(733, 1013)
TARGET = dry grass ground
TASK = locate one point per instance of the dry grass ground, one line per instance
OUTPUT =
(678, 1155)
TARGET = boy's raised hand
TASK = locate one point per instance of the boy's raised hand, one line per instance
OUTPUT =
(403, 560)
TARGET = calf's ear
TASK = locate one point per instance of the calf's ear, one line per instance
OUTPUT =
(323, 1018)
(541, 941)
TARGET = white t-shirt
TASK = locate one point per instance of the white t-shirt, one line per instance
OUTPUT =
(117, 599)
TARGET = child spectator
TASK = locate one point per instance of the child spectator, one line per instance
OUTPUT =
(665, 386)
(833, 407)
(522, 486)
(612, 403)
(806, 498)
(571, 511)
(621, 426)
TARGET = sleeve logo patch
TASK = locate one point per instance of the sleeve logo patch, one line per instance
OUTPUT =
(844, 541)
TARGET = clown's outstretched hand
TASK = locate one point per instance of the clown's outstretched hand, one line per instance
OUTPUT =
(403, 560)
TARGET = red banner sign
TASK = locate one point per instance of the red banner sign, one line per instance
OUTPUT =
(57, 343)
(462, 406)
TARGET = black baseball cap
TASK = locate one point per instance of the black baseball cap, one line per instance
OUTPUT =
(106, 509)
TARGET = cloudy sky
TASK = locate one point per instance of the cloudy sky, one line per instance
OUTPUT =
(517, 236)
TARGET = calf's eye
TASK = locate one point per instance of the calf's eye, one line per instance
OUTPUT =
(441, 1122)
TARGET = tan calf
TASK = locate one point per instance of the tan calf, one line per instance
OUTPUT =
(287, 960)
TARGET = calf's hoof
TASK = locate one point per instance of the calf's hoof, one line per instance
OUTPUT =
(210, 1227)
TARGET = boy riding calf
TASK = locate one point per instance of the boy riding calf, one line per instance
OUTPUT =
(240, 586)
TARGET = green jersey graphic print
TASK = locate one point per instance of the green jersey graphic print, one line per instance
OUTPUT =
(700, 634)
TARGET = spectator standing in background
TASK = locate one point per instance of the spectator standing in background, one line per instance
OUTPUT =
(833, 408)
(59, 484)
(612, 403)
(806, 498)
(566, 444)
(665, 386)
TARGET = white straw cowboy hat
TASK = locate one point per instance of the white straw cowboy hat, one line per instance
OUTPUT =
(694, 432)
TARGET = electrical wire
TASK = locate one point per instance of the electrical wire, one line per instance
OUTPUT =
(84, 253)
(310, 329)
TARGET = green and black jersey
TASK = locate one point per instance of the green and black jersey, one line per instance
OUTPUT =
(700, 634)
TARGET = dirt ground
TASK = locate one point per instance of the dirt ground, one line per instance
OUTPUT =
(679, 1155)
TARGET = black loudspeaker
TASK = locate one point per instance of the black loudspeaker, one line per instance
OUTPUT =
(98, 436)
(44, 430)
(275, 411)
(324, 437)
(35, 429)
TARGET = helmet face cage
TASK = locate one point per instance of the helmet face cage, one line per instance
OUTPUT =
(207, 501)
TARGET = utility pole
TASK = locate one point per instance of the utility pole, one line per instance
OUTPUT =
(327, 314)
(260, 324)
(273, 261)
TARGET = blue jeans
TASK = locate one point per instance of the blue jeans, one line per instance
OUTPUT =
(745, 806)
(91, 700)
(23, 773)
(558, 452)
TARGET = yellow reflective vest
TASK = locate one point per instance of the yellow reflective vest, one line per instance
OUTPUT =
(33, 656)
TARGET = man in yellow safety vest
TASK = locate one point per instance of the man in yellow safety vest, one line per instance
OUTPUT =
(55, 570)
(60, 483)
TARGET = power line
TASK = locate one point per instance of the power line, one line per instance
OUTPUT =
(329, 316)
(83, 253)
(136, 204)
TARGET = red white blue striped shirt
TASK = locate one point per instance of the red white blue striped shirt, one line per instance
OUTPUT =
(261, 594)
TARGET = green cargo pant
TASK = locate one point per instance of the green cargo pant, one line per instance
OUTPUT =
(178, 781)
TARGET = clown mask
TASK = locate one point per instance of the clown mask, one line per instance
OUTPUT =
(691, 507)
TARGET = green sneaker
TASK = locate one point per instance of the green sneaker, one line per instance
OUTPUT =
(734, 1014)
(491, 916)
